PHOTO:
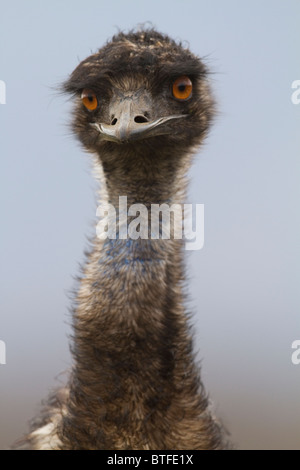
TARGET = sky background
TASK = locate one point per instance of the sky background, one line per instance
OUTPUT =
(244, 283)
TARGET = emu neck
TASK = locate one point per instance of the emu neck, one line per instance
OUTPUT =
(145, 174)
(134, 383)
(132, 283)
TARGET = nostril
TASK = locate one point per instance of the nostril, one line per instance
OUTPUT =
(140, 119)
(113, 120)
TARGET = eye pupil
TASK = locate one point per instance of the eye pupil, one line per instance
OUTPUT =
(89, 99)
(182, 88)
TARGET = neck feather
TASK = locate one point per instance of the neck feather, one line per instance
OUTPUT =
(134, 371)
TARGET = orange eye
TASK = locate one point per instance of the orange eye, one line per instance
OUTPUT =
(89, 99)
(182, 88)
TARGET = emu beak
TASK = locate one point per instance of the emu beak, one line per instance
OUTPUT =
(130, 120)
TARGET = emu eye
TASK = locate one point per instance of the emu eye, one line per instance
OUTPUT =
(182, 88)
(89, 99)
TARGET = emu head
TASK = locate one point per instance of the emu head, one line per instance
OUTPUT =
(141, 87)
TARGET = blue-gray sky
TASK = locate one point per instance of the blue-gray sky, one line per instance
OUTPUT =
(244, 284)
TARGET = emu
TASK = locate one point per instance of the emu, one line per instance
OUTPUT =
(142, 106)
